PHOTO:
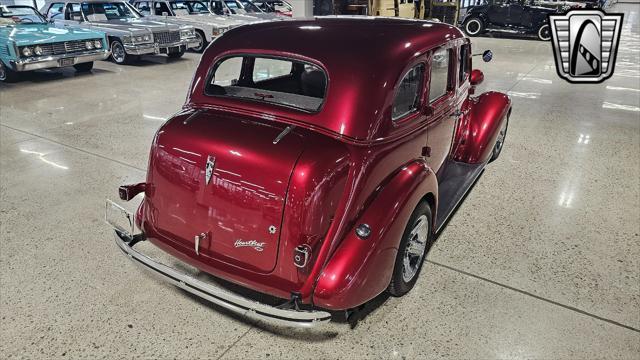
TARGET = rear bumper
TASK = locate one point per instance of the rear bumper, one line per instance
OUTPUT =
(217, 295)
(53, 61)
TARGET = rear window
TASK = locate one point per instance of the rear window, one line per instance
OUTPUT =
(280, 81)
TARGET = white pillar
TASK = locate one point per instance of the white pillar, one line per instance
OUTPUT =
(302, 8)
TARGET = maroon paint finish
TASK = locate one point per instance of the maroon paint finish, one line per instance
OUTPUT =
(477, 77)
(345, 165)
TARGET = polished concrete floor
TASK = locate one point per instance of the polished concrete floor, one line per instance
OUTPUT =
(542, 260)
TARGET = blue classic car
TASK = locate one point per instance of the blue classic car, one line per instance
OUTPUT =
(29, 42)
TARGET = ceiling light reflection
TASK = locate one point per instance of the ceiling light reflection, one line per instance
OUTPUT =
(41, 157)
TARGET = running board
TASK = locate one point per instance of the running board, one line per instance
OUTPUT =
(456, 179)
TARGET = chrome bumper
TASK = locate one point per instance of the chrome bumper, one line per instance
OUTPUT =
(53, 61)
(217, 295)
(153, 48)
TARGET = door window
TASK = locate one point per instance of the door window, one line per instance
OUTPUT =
(73, 12)
(144, 7)
(161, 8)
(439, 79)
(264, 68)
(56, 11)
(407, 97)
(465, 64)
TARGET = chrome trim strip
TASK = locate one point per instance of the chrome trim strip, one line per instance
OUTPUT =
(219, 296)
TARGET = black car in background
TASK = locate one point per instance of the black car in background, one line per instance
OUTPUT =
(514, 16)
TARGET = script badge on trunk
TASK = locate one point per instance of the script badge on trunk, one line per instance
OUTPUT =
(208, 173)
(585, 44)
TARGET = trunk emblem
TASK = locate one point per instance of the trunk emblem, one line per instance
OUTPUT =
(257, 246)
(211, 163)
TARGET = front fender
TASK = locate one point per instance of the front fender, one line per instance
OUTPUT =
(360, 269)
(478, 129)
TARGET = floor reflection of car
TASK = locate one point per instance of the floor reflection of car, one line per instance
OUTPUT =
(208, 26)
(280, 7)
(129, 34)
(29, 42)
(514, 16)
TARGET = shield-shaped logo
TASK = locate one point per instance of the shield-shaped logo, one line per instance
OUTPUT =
(585, 44)
(208, 171)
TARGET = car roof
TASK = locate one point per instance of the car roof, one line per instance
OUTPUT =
(364, 58)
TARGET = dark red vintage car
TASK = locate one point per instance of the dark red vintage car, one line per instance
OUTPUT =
(319, 169)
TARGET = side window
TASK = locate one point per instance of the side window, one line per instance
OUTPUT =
(161, 7)
(56, 11)
(465, 63)
(439, 79)
(228, 72)
(73, 12)
(143, 7)
(264, 69)
(199, 7)
(408, 94)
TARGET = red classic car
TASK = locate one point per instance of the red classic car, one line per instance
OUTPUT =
(317, 170)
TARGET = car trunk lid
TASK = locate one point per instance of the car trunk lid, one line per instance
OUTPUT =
(219, 186)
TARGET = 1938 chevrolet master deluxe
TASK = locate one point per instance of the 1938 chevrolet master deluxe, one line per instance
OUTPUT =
(317, 169)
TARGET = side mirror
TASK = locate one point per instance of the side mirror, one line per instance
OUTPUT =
(487, 55)
(165, 14)
(476, 77)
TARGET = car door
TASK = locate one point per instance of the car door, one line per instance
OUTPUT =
(72, 15)
(55, 12)
(498, 12)
(516, 10)
(443, 107)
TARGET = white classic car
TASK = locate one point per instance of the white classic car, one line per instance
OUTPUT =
(190, 12)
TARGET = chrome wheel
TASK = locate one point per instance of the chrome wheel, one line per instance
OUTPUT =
(201, 42)
(415, 250)
(502, 135)
(117, 52)
(473, 27)
(3, 72)
(544, 33)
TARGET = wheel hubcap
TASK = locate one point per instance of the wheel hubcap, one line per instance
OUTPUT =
(118, 52)
(501, 137)
(3, 73)
(416, 248)
(473, 26)
(544, 33)
(200, 41)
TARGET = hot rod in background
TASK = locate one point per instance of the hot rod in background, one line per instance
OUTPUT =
(128, 33)
(316, 170)
(512, 16)
(29, 42)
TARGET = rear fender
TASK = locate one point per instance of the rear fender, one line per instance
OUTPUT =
(361, 269)
(478, 129)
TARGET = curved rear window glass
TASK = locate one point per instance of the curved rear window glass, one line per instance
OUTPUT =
(279, 81)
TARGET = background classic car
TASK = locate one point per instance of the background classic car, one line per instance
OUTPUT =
(29, 42)
(208, 26)
(514, 16)
(235, 7)
(307, 174)
(128, 33)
